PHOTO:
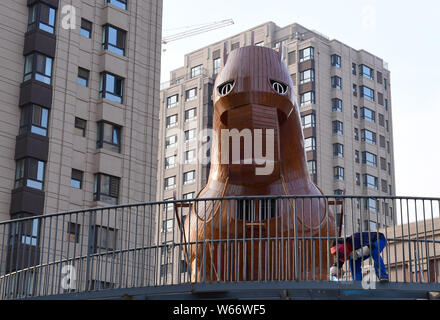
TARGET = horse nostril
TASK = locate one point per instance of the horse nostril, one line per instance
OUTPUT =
(226, 88)
(279, 87)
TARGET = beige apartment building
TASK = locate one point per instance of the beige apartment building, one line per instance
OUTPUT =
(344, 97)
(79, 99)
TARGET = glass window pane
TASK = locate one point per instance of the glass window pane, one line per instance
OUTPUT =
(48, 71)
(40, 172)
(110, 83)
(105, 184)
(112, 35)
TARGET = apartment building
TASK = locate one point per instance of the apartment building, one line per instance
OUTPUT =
(344, 96)
(79, 99)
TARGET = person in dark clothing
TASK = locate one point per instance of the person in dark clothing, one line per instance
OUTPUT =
(357, 248)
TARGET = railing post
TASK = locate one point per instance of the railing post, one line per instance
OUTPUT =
(90, 243)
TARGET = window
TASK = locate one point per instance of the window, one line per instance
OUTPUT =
(388, 147)
(338, 127)
(118, 3)
(336, 82)
(41, 16)
(380, 98)
(308, 121)
(105, 238)
(190, 135)
(370, 182)
(76, 179)
(355, 112)
(338, 173)
(170, 141)
(235, 45)
(80, 127)
(382, 141)
(171, 121)
(291, 57)
(34, 119)
(355, 90)
(385, 85)
(109, 137)
(381, 120)
(73, 231)
(366, 72)
(311, 167)
(370, 204)
(168, 226)
(369, 158)
(383, 164)
(168, 206)
(189, 195)
(379, 77)
(83, 77)
(336, 61)
(106, 188)
(368, 136)
(170, 183)
(27, 230)
(387, 125)
(358, 179)
(190, 156)
(170, 162)
(367, 93)
(111, 87)
(172, 101)
(336, 105)
(307, 98)
(29, 172)
(356, 156)
(356, 134)
(190, 114)
(217, 65)
(386, 104)
(389, 168)
(384, 185)
(307, 76)
(189, 177)
(310, 144)
(368, 114)
(260, 44)
(353, 68)
(39, 67)
(370, 225)
(306, 54)
(338, 150)
(196, 71)
(86, 28)
(191, 94)
(113, 39)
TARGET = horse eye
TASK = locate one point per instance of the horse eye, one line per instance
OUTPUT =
(226, 88)
(279, 87)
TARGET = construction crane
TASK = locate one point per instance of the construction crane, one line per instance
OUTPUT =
(197, 29)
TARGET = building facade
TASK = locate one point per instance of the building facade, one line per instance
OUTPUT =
(79, 101)
(344, 97)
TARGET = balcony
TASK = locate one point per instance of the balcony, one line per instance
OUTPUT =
(112, 252)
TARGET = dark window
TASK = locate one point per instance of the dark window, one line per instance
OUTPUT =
(106, 188)
(172, 101)
(83, 77)
(356, 134)
(73, 231)
(80, 126)
(383, 163)
(306, 54)
(338, 150)
(109, 137)
(367, 93)
(355, 90)
(113, 39)
(42, 16)
(190, 114)
(366, 72)
(356, 156)
(358, 179)
(385, 84)
(370, 182)
(118, 3)
(336, 82)
(76, 179)
(29, 172)
(368, 136)
(291, 57)
(381, 120)
(353, 68)
(338, 127)
(369, 158)
(355, 112)
(191, 94)
(86, 28)
(25, 231)
(337, 105)
(379, 77)
(111, 87)
(39, 67)
(34, 119)
(382, 141)
(380, 98)
(338, 173)
(336, 61)
(235, 45)
(105, 238)
(384, 185)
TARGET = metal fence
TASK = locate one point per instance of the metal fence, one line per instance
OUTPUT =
(259, 239)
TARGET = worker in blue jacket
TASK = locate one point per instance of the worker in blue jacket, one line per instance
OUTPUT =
(357, 248)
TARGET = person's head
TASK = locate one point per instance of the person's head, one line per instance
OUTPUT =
(341, 251)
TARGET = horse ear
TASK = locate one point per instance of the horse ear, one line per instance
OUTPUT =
(225, 54)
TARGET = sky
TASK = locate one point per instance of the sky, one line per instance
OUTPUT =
(404, 33)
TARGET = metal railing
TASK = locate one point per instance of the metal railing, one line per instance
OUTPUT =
(282, 238)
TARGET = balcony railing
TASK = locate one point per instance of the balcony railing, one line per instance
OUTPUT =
(261, 239)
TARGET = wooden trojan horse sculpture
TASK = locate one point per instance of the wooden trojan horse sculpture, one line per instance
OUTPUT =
(257, 240)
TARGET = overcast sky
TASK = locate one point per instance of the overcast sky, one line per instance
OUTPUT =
(404, 33)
